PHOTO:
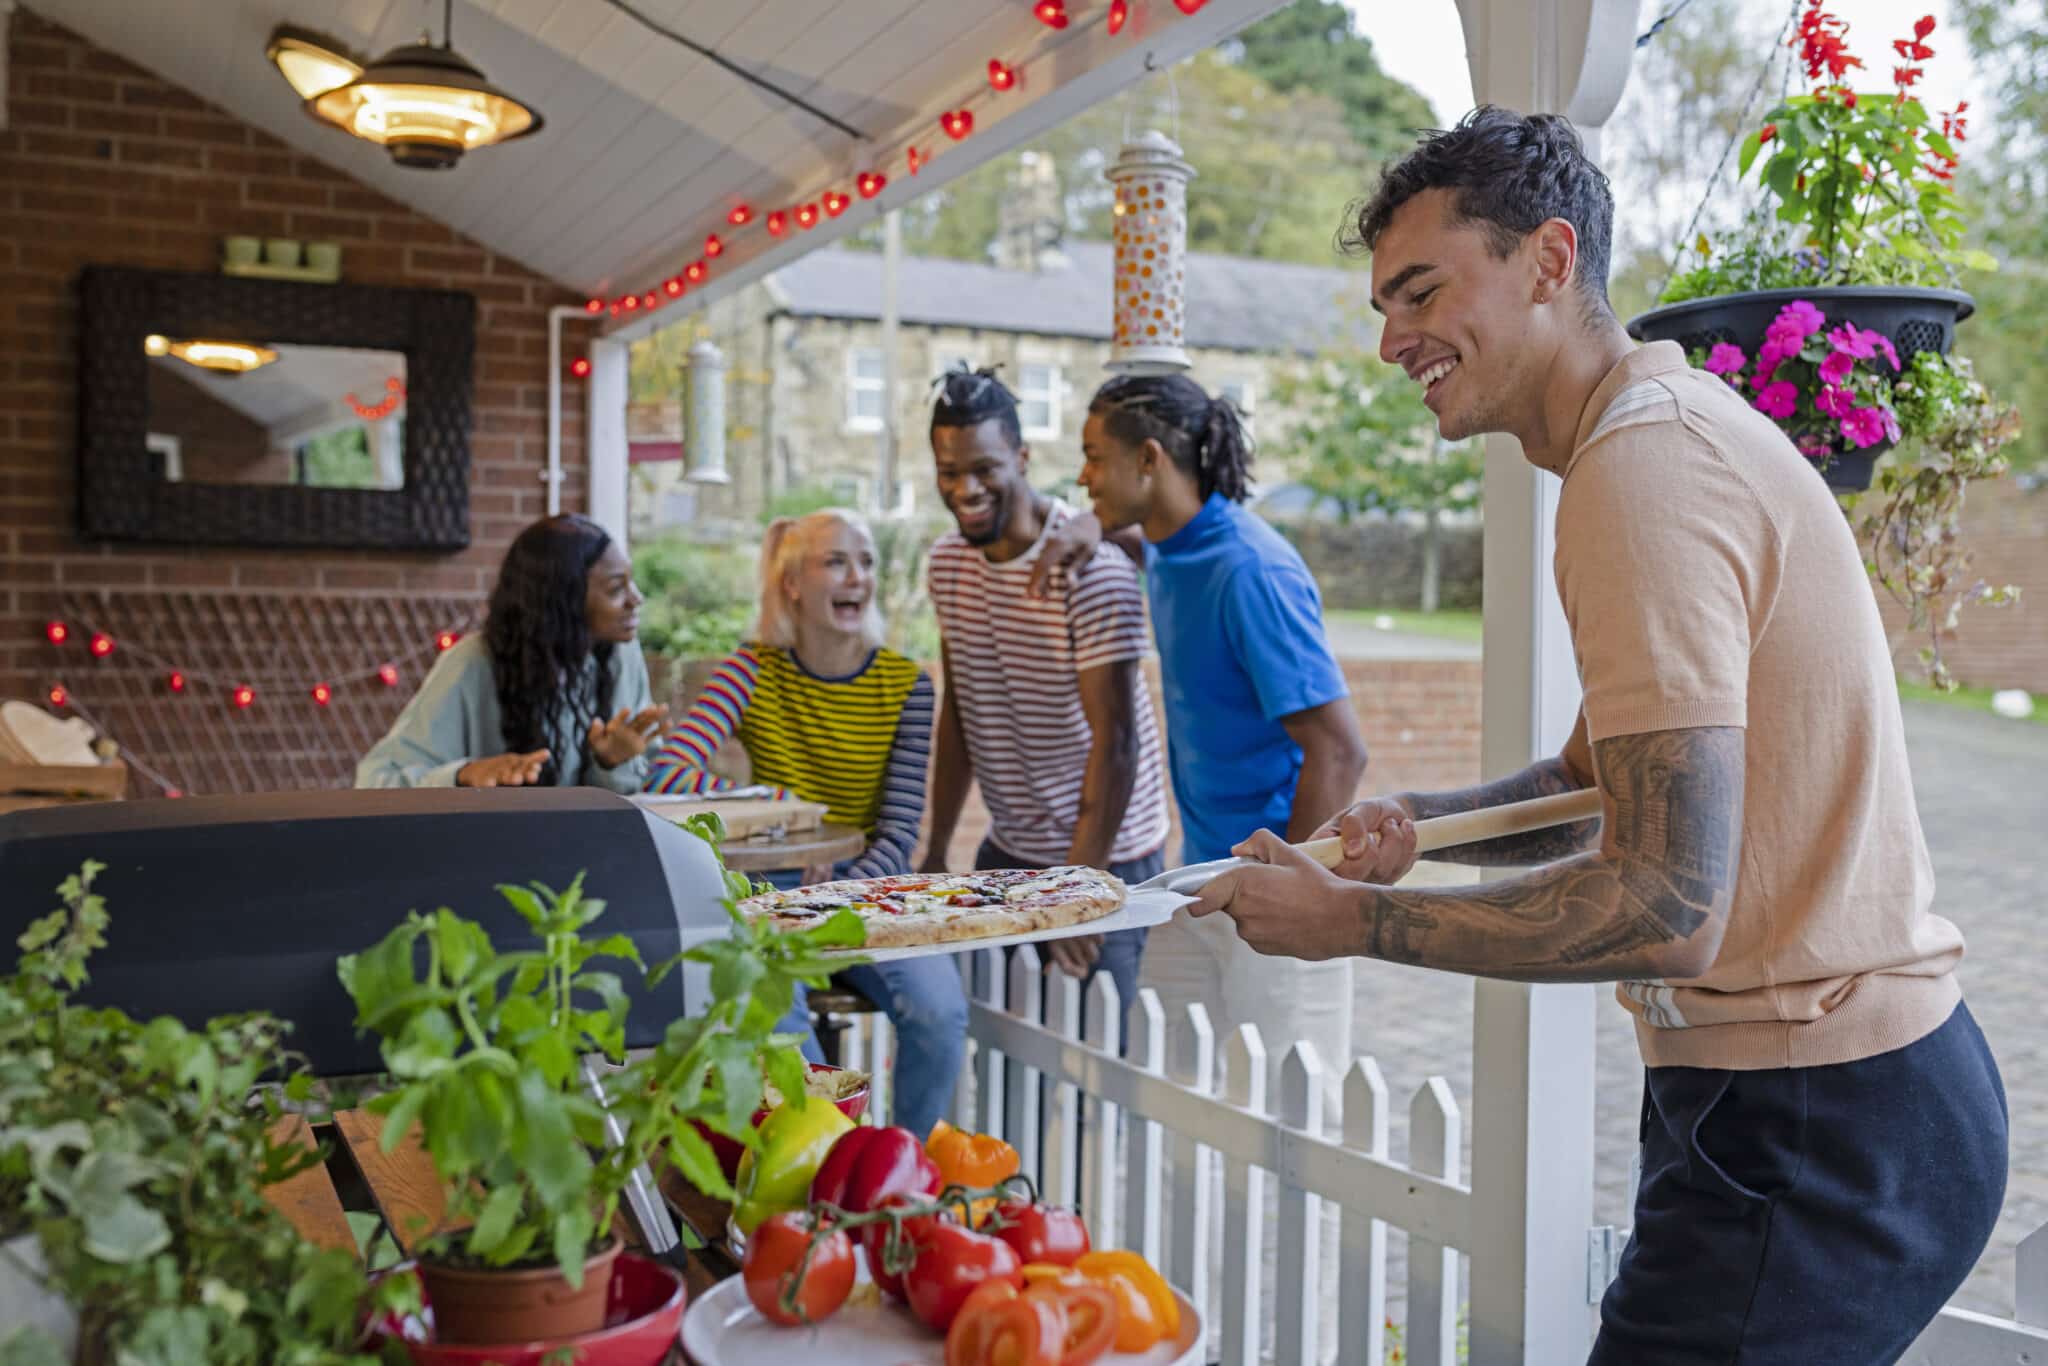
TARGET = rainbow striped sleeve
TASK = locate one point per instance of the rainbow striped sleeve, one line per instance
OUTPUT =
(682, 763)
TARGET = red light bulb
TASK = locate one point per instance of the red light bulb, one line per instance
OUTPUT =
(244, 697)
(740, 216)
(580, 367)
(674, 286)
(593, 305)
(694, 272)
(870, 183)
(807, 216)
(1189, 6)
(102, 645)
(388, 676)
(778, 223)
(713, 247)
(1051, 13)
(322, 694)
(651, 299)
(174, 792)
(176, 682)
(917, 159)
(835, 203)
(1000, 76)
(958, 123)
(1119, 12)
(59, 697)
(630, 302)
(56, 632)
(446, 640)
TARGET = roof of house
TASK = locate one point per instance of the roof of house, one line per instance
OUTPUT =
(1234, 302)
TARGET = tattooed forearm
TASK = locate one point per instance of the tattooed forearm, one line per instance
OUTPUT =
(1650, 902)
(1535, 846)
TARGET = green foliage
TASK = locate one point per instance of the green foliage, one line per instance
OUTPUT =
(483, 1048)
(1314, 46)
(700, 597)
(340, 460)
(801, 501)
(1367, 442)
(131, 1150)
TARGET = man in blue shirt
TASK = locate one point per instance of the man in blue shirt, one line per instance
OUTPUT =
(1260, 728)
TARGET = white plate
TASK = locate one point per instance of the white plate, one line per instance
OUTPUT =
(1140, 911)
(723, 1329)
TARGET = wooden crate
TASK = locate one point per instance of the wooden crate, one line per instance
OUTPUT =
(745, 817)
(98, 782)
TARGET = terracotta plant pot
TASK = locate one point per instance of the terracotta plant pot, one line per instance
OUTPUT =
(517, 1305)
(645, 1311)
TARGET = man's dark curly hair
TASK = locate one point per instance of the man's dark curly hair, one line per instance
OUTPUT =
(968, 398)
(1510, 173)
(538, 636)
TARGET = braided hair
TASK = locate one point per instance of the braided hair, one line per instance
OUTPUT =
(968, 398)
(538, 638)
(1204, 436)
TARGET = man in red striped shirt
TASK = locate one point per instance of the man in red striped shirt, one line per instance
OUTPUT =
(1045, 702)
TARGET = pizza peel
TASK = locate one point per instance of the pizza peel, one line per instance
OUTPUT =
(1153, 901)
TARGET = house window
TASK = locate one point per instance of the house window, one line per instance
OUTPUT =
(864, 398)
(1241, 393)
(1038, 400)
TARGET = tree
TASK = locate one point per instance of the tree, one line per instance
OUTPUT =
(1313, 46)
(1367, 443)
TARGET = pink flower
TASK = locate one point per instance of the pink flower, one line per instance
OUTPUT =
(1725, 359)
(1835, 402)
(1891, 425)
(1813, 448)
(1884, 344)
(1769, 356)
(1837, 366)
(1864, 426)
(1851, 340)
(1779, 400)
(1802, 315)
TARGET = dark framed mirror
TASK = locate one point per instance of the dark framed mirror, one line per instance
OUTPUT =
(216, 410)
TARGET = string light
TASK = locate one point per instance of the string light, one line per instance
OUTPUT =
(694, 272)
(1000, 76)
(1051, 13)
(446, 640)
(807, 216)
(778, 223)
(630, 302)
(1189, 6)
(102, 645)
(713, 247)
(1119, 11)
(674, 285)
(244, 697)
(580, 367)
(835, 203)
(958, 123)
(870, 183)
(176, 682)
(59, 698)
(322, 694)
(740, 216)
(57, 632)
(593, 306)
(917, 159)
(651, 300)
(388, 676)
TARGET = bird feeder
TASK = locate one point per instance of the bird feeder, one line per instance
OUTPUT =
(704, 416)
(1150, 179)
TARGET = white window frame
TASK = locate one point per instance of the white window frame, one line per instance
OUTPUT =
(1050, 396)
(858, 384)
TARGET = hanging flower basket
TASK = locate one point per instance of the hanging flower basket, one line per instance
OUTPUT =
(1911, 319)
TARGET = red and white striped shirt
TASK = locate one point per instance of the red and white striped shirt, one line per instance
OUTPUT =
(1015, 671)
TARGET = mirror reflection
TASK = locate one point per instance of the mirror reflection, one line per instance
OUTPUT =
(226, 410)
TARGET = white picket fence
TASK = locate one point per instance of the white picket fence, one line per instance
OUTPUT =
(1188, 1100)
(1962, 1337)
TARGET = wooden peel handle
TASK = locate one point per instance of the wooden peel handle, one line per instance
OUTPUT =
(1469, 827)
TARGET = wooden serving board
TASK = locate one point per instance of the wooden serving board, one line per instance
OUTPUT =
(744, 817)
(108, 781)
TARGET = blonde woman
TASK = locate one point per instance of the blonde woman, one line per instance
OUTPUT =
(825, 712)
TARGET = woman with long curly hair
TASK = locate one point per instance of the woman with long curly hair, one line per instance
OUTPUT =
(552, 692)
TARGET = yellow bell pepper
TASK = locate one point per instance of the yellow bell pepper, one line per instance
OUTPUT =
(795, 1139)
(1147, 1312)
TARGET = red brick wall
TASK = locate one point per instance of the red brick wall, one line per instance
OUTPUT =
(2006, 528)
(102, 163)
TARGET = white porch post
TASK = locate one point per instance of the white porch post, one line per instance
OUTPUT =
(604, 436)
(1532, 1046)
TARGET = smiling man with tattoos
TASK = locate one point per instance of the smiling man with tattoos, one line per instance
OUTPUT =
(1824, 1131)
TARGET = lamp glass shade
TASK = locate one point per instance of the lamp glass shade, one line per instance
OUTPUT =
(311, 68)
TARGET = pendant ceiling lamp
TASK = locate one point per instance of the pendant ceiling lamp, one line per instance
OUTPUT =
(423, 104)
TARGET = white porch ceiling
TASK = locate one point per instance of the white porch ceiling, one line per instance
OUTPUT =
(646, 144)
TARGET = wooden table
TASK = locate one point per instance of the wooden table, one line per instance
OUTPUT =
(809, 852)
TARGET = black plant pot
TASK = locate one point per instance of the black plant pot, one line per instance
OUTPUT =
(1912, 318)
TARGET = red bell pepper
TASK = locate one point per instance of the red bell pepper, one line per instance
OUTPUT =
(867, 1166)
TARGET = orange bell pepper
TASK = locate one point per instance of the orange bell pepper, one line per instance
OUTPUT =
(1147, 1312)
(965, 1159)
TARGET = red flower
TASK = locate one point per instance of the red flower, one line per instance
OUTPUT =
(1923, 26)
(1822, 44)
(1903, 76)
(1770, 130)
(1940, 171)
(1848, 99)
(1912, 51)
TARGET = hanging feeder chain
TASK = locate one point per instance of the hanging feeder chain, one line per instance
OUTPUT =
(1741, 121)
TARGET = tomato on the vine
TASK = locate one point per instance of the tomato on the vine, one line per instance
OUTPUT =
(1042, 1233)
(951, 1262)
(775, 1252)
(874, 1239)
(1089, 1312)
(993, 1330)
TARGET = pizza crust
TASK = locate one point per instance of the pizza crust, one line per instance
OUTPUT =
(1078, 896)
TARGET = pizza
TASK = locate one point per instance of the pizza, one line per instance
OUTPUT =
(917, 909)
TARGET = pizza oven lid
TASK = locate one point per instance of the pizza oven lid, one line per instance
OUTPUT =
(235, 903)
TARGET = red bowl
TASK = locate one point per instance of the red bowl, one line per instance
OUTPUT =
(643, 1313)
(729, 1151)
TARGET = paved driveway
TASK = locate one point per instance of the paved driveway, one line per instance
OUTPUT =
(1982, 785)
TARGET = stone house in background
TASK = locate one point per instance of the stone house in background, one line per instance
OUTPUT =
(805, 391)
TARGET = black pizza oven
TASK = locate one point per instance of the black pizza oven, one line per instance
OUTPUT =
(224, 904)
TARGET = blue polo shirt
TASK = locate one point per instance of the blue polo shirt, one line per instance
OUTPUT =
(1240, 629)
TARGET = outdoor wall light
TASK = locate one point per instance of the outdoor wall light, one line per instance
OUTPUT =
(423, 104)
(222, 357)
